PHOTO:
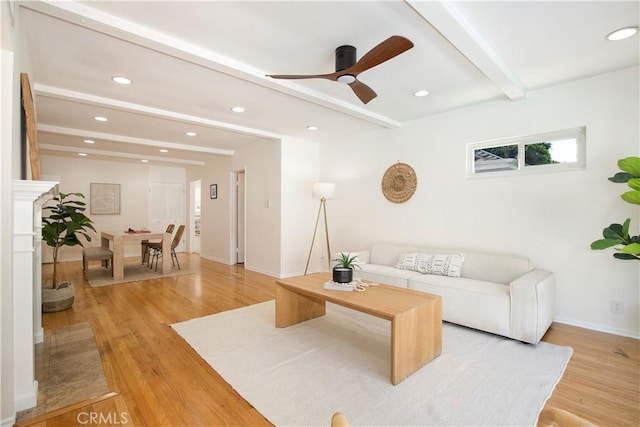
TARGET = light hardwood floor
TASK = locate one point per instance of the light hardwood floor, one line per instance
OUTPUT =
(159, 380)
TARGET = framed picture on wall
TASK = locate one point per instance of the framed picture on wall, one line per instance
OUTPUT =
(213, 191)
(105, 199)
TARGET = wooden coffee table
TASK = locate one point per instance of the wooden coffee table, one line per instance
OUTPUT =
(416, 317)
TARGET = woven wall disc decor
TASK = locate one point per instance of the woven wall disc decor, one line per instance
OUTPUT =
(399, 183)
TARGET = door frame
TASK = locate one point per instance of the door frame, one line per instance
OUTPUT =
(233, 210)
(192, 220)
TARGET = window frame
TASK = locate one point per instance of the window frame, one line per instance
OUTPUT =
(577, 133)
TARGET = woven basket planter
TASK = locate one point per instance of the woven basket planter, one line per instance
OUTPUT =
(57, 299)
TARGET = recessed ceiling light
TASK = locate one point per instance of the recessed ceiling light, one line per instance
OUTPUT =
(191, 134)
(164, 150)
(622, 33)
(144, 161)
(89, 141)
(101, 119)
(122, 80)
(238, 109)
(421, 93)
(312, 127)
(82, 154)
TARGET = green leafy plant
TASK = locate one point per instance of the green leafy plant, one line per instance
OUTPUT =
(63, 225)
(630, 174)
(346, 260)
(617, 235)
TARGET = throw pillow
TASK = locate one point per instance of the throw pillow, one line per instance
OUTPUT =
(442, 265)
(408, 262)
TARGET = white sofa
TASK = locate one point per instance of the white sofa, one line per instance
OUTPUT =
(501, 294)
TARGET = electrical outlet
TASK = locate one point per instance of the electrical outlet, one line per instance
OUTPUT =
(617, 306)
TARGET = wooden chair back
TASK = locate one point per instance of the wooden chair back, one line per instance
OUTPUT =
(177, 237)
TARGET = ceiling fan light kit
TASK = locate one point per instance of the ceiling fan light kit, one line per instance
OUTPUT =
(348, 68)
(346, 78)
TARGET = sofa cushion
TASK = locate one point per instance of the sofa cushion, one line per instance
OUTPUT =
(474, 303)
(493, 267)
(442, 265)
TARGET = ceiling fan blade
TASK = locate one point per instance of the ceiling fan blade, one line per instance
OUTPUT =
(332, 76)
(362, 91)
(391, 47)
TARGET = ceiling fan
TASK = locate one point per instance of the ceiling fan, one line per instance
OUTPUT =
(347, 68)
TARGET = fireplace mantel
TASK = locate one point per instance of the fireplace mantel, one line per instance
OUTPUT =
(28, 198)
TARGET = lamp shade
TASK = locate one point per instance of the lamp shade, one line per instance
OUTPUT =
(323, 190)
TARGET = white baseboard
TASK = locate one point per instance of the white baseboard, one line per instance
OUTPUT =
(26, 400)
(39, 336)
(246, 266)
(8, 422)
(599, 328)
(258, 270)
(211, 258)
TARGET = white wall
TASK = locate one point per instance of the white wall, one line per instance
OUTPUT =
(214, 235)
(551, 218)
(300, 169)
(280, 213)
(262, 165)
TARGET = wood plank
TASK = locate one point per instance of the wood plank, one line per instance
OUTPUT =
(32, 128)
(416, 339)
(66, 409)
(292, 307)
(131, 325)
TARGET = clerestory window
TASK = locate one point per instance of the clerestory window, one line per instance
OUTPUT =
(548, 152)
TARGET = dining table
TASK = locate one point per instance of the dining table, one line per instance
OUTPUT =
(117, 239)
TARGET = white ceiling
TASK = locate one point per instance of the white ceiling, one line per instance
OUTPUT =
(191, 61)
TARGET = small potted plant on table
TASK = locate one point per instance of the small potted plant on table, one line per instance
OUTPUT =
(343, 270)
(62, 226)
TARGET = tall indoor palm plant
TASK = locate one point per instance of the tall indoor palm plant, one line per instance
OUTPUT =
(63, 225)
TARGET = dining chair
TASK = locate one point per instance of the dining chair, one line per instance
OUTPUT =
(156, 249)
(145, 244)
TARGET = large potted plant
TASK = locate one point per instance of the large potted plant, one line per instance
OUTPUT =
(63, 222)
(343, 270)
(617, 235)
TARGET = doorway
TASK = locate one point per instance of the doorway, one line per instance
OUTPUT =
(238, 217)
(194, 216)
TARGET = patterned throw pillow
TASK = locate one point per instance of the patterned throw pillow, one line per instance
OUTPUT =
(408, 262)
(442, 265)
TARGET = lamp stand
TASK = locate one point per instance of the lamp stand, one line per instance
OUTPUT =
(323, 208)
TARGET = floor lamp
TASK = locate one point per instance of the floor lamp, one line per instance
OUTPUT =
(322, 191)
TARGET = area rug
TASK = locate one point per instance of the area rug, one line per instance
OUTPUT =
(132, 273)
(301, 375)
(68, 369)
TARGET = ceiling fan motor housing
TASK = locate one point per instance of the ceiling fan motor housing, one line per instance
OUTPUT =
(345, 57)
